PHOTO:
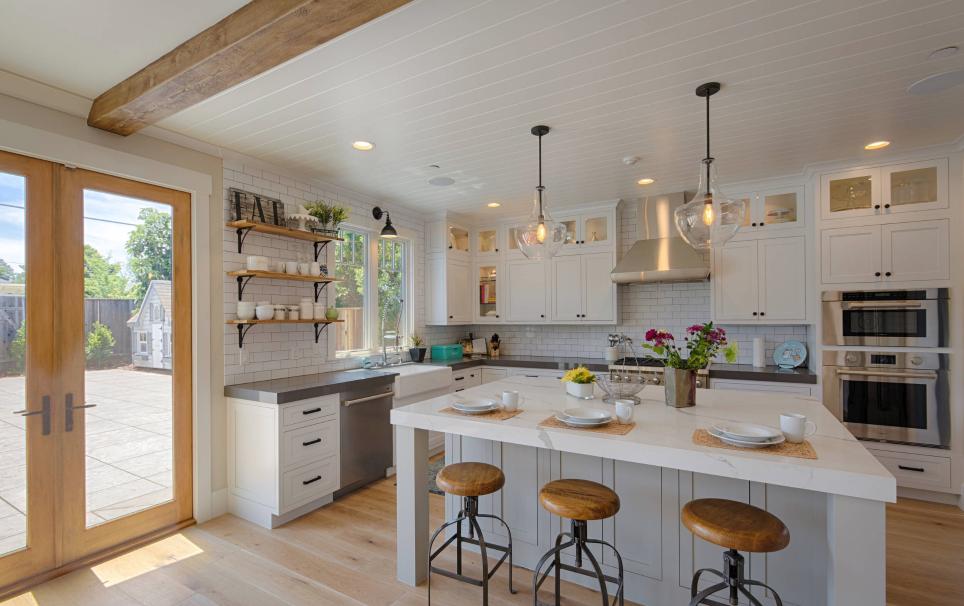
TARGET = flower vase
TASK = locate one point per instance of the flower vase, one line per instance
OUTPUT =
(680, 385)
(579, 390)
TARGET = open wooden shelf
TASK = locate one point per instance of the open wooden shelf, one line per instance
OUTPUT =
(274, 275)
(277, 230)
(315, 321)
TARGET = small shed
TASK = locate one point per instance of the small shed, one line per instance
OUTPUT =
(151, 328)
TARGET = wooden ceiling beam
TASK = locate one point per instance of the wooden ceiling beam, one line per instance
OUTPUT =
(260, 35)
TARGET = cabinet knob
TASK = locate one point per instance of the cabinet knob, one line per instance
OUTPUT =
(542, 315)
(886, 205)
(497, 250)
(752, 224)
(887, 274)
(754, 313)
(496, 315)
(763, 313)
(877, 273)
(450, 317)
(450, 247)
(876, 206)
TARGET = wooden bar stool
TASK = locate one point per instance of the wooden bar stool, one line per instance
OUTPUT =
(738, 527)
(579, 501)
(470, 481)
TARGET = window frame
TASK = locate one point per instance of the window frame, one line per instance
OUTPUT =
(141, 339)
(370, 305)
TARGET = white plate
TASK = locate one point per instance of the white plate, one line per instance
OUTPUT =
(476, 411)
(586, 414)
(748, 432)
(576, 423)
(486, 404)
(744, 443)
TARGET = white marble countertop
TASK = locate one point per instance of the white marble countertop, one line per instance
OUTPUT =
(663, 435)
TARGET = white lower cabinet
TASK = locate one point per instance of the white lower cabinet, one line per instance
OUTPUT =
(282, 458)
(526, 291)
(761, 281)
(493, 374)
(911, 251)
(770, 386)
(923, 472)
(463, 379)
(659, 553)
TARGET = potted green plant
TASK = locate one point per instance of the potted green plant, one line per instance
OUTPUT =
(321, 211)
(702, 343)
(579, 382)
(339, 215)
(417, 351)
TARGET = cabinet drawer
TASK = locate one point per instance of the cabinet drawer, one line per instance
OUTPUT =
(306, 444)
(304, 484)
(464, 379)
(309, 410)
(916, 471)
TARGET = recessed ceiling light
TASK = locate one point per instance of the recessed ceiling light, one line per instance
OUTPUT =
(944, 53)
(441, 181)
(877, 145)
(493, 205)
(363, 145)
(937, 83)
(646, 181)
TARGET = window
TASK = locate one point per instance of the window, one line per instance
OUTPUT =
(371, 295)
(157, 312)
(142, 342)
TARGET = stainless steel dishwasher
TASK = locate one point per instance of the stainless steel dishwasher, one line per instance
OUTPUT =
(366, 436)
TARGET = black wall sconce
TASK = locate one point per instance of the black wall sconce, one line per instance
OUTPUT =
(389, 230)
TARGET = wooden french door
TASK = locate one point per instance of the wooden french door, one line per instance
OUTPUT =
(106, 316)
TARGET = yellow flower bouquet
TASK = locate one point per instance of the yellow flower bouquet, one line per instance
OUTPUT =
(579, 382)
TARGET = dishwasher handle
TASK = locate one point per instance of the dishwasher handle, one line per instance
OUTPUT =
(377, 396)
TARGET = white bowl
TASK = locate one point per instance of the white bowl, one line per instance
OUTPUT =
(246, 310)
(264, 312)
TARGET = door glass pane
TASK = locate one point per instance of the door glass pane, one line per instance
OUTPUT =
(748, 215)
(513, 243)
(571, 227)
(351, 263)
(597, 230)
(917, 186)
(780, 208)
(487, 241)
(392, 263)
(458, 238)
(128, 328)
(13, 457)
(850, 194)
(487, 291)
(886, 403)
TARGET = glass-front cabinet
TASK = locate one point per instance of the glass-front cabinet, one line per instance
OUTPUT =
(458, 239)
(884, 190)
(595, 229)
(487, 302)
(588, 230)
(771, 209)
(487, 241)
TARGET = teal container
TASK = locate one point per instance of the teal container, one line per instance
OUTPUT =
(447, 352)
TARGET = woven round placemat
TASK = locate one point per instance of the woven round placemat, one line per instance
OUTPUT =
(614, 429)
(803, 450)
(495, 415)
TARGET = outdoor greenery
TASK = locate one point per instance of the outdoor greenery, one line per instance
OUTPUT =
(100, 345)
(7, 273)
(18, 348)
(103, 279)
(149, 249)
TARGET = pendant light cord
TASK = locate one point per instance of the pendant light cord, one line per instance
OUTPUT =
(540, 188)
(708, 159)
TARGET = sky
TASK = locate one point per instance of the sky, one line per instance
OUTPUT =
(108, 221)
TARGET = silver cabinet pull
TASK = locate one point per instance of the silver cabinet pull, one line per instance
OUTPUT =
(379, 396)
(69, 408)
(44, 410)
(888, 374)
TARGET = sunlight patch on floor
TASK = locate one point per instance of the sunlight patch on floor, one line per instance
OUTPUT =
(146, 559)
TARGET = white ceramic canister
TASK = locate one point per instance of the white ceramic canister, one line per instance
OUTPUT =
(319, 311)
(246, 310)
(294, 312)
(307, 308)
(314, 269)
(280, 312)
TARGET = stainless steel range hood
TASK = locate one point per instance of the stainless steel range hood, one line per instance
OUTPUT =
(659, 254)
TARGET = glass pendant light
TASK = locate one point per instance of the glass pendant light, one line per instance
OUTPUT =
(710, 218)
(541, 237)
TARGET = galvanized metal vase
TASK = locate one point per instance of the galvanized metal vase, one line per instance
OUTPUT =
(680, 387)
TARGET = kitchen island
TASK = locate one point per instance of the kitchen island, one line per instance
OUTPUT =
(834, 506)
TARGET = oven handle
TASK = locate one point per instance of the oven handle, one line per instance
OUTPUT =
(883, 305)
(887, 373)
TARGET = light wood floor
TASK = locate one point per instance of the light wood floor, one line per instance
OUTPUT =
(345, 554)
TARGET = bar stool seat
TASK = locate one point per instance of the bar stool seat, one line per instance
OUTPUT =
(470, 479)
(579, 500)
(737, 527)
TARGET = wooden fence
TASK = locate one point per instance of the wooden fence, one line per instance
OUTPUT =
(113, 313)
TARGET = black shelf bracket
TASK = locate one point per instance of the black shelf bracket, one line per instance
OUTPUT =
(320, 328)
(242, 234)
(242, 282)
(242, 331)
(319, 288)
(319, 247)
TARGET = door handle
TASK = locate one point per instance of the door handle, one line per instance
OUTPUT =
(69, 408)
(906, 468)
(44, 410)
(379, 396)
(888, 374)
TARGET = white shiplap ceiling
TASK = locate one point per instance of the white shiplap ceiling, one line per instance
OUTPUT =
(458, 83)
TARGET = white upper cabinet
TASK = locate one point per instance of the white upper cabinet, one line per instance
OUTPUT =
(567, 288)
(589, 231)
(488, 302)
(447, 288)
(488, 242)
(458, 240)
(582, 290)
(600, 290)
(760, 281)
(445, 237)
(906, 252)
(884, 190)
(771, 210)
(526, 292)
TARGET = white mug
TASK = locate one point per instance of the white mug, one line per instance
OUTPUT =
(796, 427)
(291, 267)
(625, 410)
(303, 268)
(314, 269)
(510, 400)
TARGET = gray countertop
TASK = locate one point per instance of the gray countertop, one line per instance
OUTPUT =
(748, 372)
(293, 389)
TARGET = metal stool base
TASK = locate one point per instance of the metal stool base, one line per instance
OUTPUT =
(733, 580)
(578, 538)
(470, 514)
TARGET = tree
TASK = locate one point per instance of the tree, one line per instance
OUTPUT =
(100, 345)
(102, 278)
(7, 273)
(18, 348)
(149, 250)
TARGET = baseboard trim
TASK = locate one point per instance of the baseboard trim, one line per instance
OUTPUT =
(219, 503)
(947, 498)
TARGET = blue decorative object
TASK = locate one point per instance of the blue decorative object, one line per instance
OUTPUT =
(790, 354)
